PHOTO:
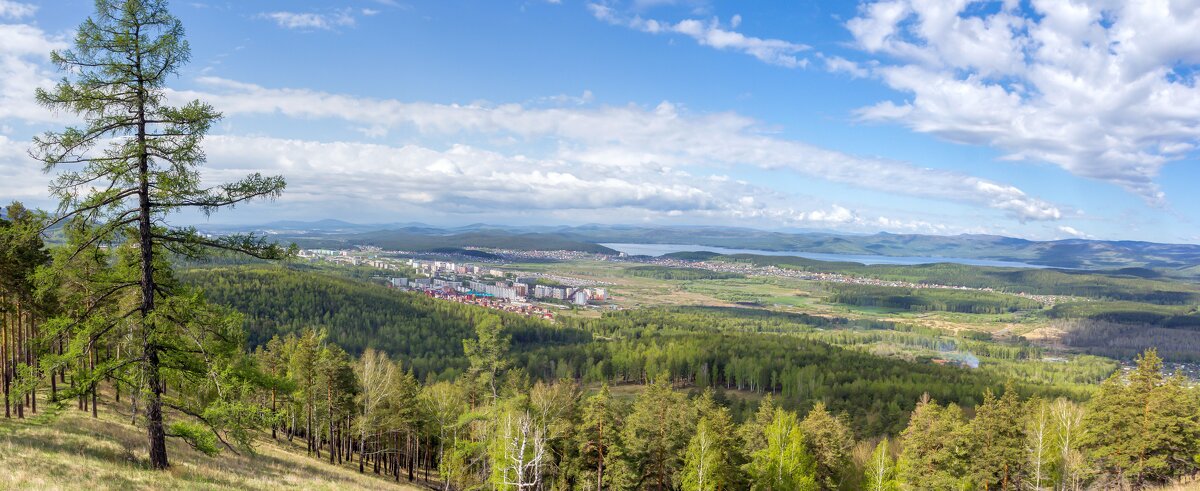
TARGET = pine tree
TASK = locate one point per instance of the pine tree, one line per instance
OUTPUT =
(655, 434)
(1144, 430)
(997, 438)
(753, 432)
(487, 354)
(147, 169)
(303, 368)
(829, 440)
(599, 429)
(22, 252)
(932, 453)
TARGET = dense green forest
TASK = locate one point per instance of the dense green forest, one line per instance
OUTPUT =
(929, 299)
(702, 347)
(1166, 316)
(667, 273)
(427, 334)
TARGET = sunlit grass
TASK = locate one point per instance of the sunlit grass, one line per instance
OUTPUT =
(63, 448)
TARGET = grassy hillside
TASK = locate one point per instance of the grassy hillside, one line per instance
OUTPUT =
(67, 449)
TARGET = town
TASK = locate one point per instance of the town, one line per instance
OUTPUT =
(529, 294)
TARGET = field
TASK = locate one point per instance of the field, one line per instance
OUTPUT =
(64, 448)
(1064, 312)
(775, 293)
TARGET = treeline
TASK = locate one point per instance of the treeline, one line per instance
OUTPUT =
(1123, 341)
(21, 311)
(929, 299)
(426, 333)
(669, 273)
(1166, 316)
(1008, 361)
(1090, 284)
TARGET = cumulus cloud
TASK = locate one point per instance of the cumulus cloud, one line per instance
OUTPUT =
(633, 137)
(314, 21)
(710, 33)
(1104, 89)
(16, 10)
(467, 179)
(24, 52)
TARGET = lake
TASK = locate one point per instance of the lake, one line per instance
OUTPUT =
(660, 249)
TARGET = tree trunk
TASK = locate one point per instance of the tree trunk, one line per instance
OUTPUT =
(7, 352)
(154, 417)
(411, 454)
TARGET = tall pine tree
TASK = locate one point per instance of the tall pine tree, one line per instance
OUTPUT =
(146, 167)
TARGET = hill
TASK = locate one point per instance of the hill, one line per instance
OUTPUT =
(67, 449)
(420, 239)
(426, 333)
(1174, 259)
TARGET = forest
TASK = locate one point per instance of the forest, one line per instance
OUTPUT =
(720, 399)
(930, 299)
(115, 315)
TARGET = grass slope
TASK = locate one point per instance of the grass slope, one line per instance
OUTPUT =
(67, 449)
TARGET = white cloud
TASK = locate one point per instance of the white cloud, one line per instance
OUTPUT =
(837, 64)
(23, 177)
(465, 179)
(311, 20)
(1071, 231)
(631, 137)
(461, 177)
(16, 10)
(710, 33)
(1104, 89)
(24, 54)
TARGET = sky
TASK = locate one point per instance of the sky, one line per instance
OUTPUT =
(1043, 119)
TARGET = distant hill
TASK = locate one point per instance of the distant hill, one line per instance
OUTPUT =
(1181, 260)
(425, 240)
(1069, 253)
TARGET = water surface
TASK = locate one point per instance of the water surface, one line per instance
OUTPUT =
(660, 249)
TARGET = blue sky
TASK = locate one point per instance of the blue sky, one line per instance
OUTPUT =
(1038, 119)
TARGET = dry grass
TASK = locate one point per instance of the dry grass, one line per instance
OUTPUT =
(67, 449)
(1192, 484)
